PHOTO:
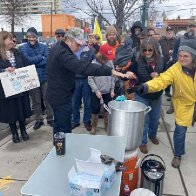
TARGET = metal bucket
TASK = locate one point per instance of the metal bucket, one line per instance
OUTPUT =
(126, 118)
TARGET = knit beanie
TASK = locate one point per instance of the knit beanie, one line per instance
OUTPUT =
(188, 46)
(32, 31)
(111, 29)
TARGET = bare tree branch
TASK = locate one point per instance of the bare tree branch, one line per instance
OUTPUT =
(121, 9)
(14, 11)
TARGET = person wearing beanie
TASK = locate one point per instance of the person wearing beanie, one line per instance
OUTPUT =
(102, 87)
(182, 77)
(111, 37)
(37, 53)
(189, 35)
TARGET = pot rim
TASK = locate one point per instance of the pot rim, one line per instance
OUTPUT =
(139, 110)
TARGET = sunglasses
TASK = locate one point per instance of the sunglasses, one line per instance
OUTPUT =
(149, 50)
(60, 35)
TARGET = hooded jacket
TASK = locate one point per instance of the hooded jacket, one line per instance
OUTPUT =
(184, 96)
(133, 36)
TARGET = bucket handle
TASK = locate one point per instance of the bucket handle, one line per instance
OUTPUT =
(107, 108)
(148, 109)
(153, 155)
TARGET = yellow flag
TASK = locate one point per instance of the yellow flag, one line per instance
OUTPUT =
(97, 30)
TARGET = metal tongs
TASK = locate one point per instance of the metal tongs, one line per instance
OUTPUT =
(119, 166)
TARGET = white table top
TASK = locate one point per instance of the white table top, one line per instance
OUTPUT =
(51, 177)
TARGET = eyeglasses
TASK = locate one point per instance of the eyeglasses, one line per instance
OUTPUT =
(149, 50)
(60, 35)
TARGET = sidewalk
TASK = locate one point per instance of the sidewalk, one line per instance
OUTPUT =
(20, 160)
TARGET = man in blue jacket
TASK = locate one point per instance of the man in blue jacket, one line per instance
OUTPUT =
(37, 53)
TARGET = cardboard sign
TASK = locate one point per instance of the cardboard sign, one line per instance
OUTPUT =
(21, 80)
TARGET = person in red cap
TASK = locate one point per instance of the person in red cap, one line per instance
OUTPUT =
(102, 87)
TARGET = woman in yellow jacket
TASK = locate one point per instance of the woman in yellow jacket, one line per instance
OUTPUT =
(182, 77)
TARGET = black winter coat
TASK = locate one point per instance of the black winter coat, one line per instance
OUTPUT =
(63, 66)
(16, 107)
(20, 62)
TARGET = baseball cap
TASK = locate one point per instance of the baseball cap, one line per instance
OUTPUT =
(107, 52)
(77, 34)
(59, 31)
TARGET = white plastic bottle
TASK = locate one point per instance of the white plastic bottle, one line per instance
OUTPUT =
(126, 190)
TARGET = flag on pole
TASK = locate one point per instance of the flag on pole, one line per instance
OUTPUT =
(97, 30)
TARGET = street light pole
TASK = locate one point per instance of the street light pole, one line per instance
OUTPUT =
(144, 13)
(51, 10)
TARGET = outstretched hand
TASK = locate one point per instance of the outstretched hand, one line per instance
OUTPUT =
(118, 74)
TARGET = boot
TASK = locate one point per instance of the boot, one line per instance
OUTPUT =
(105, 118)
(15, 136)
(24, 134)
(94, 124)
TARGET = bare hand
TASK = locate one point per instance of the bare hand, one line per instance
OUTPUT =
(10, 69)
(154, 74)
(118, 74)
(112, 94)
(131, 75)
(98, 94)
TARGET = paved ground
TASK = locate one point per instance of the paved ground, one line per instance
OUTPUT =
(18, 161)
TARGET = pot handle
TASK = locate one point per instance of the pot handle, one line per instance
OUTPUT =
(107, 108)
(148, 109)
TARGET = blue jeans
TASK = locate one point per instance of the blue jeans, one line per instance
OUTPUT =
(179, 140)
(151, 121)
(62, 118)
(82, 91)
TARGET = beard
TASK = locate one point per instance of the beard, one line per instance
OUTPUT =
(112, 42)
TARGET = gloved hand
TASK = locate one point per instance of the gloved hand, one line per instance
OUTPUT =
(136, 89)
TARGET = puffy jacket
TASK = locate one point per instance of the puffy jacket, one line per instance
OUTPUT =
(184, 92)
(38, 55)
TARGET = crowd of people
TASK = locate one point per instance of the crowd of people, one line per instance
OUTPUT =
(77, 73)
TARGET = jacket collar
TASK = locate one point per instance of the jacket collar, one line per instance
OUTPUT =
(64, 45)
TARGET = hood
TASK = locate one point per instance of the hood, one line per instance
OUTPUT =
(136, 24)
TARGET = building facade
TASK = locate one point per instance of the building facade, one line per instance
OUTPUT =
(37, 7)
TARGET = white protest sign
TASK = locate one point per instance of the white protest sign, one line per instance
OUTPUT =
(21, 80)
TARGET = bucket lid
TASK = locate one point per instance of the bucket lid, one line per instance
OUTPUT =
(142, 192)
(153, 169)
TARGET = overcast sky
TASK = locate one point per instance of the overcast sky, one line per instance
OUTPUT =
(172, 8)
